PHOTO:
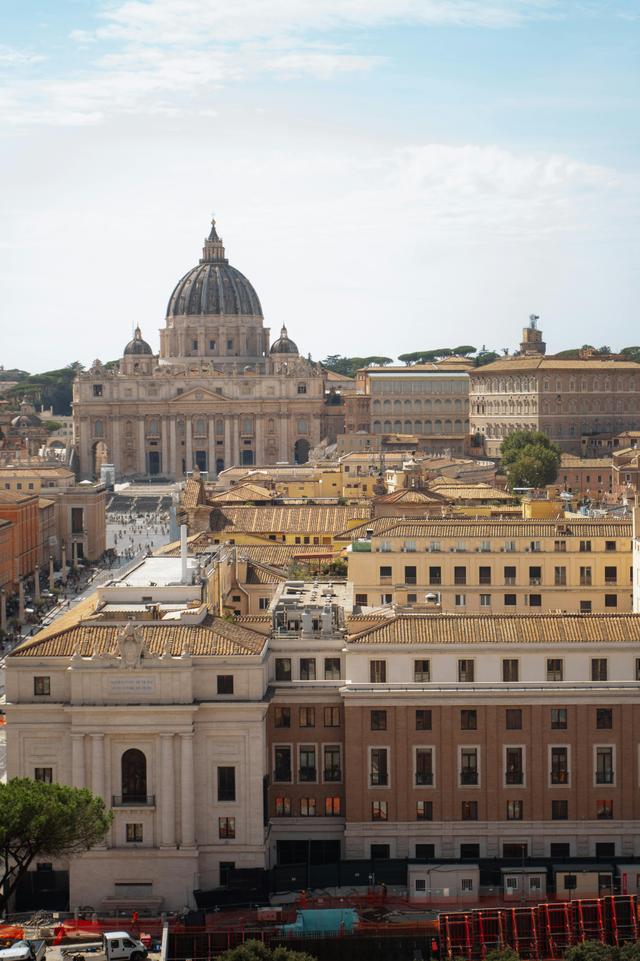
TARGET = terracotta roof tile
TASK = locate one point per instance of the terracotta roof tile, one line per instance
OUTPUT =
(488, 527)
(312, 519)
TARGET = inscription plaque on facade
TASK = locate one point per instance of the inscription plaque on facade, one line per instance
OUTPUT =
(132, 685)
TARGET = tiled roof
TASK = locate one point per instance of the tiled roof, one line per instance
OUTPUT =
(405, 496)
(488, 527)
(378, 525)
(480, 491)
(214, 637)
(294, 520)
(260, 574)
(570, 460)
(515, 364)
(16, 497)
(241, 494)
(193, 493)
(281, 555)
(449, 629)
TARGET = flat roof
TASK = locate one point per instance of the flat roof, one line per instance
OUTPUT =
(159, 571)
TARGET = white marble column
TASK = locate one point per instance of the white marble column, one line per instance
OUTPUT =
(116, 458)
(164, 456)
(97, 765)
(173, 448)
(211, 450)
(167, 793)
(186, 789)
(77, 760)
(142, 459)
(228, 447)
(235, 438)
(283, 430)
(188, 444)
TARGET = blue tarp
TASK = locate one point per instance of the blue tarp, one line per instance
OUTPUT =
(331, 920)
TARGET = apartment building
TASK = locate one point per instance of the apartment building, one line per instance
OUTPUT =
(494, 565)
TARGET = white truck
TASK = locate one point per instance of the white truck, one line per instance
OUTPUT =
(24, 951)
(115, 946)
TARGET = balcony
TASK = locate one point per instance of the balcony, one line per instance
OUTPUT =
(514, 777)
(604, 777)
(307, 774)
(535, 581)
(379, 778)
(424, 777)
(459, 581)
(332, 774)
(559, 777)
(435, 581)
(282, 774)
(468, 776)
(133, 800)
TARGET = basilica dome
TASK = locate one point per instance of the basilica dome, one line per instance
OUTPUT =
(214, 286)
(283, 345)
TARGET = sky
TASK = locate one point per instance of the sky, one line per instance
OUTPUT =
(391, 175)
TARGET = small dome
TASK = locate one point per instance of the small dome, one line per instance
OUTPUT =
(137, 345)
(26, 420)
(283, 345)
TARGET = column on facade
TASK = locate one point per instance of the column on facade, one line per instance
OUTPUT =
(164, 454)
(77, 760)
(211, 449)
(84, 447)
(97, 765)
(188, 444)
(167, 793)
(259, 441)
(142, 459)
(173, 446)
(228, 447)
(186, 789)
(282, 425)
(235, 439)
(116, 459)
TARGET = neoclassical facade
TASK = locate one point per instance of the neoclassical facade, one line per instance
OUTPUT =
(218, 393)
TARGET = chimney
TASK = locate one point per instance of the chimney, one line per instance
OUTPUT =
(183, 553)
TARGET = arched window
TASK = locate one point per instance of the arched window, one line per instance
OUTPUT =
(247, 425)
(98, 429)
(219, 427)
(133, 767)
(153, 426)
(302, 425)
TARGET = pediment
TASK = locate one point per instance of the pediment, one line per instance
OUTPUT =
(197, 395)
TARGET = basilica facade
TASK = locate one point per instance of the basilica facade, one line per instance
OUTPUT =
(219, 393)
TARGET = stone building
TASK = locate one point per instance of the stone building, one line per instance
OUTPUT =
(566, 399)
(219, 393)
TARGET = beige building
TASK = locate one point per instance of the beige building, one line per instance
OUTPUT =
(493, 565)
(565, 399)
(219, 392)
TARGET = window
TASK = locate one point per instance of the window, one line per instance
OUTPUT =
(485, 600)
(332, 717)
(378, 720)
(604, 810)
(554, 669)
(558, 718)
(637, 668)
(43, 774)
(535, 575)
(422, 671)
(226, 783)
(585, 607)
(421, 884)
(611, 575)
(423, 719)
(604, 765)
(410, 574)
(77, 520)
(381, 852)
(332, 668)
(302, 388)
(307, 668)
(225, 683)
(484, 575)
(435, 575)
(559, 765)
(585, 547)
(424, 810)
(605, 849)
(282, 717)
(379, 811)
(468, 720)
(307, 807)
(510, 600)
(226, 827)
(514, 810)
(386, 574)
(468, 765)
(283, 668)
(585, 577)
(379, 768)
(466, 670)
(610, 600)
(133, 775)
(535, 600)
(560, 576)
(514, 773)
(559, 849)
(332, 769)
(307, 717)
(609, 545)
(604, 718)
(509, 576)
(514, 719)
(469, 811)
(424, 767)
(598, 669)
(425, 851)
(332, 807)
(282, 763)
(41, 686)
(133, 833)
(308, 770)
(559, 810)
(469, 851)
(459, 575)
(283, 807)
(263, 603)
(560, 546)
(361, 600)
(97, 390)
(510, 669)
(460, 600)
(378, 672)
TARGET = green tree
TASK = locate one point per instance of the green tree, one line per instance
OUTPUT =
(591, 951)
(465, 350)
(502, 954)
(514, 444)
(257, 951)
(486, 357)
(631, 353)
(530, 459)
(39, 819)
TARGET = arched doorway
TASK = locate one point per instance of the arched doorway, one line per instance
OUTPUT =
(301, 451)
(99, 455)
(133, 767)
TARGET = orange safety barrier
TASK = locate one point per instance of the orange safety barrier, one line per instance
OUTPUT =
(11, 932)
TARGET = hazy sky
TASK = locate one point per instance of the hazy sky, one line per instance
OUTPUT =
(391, 175)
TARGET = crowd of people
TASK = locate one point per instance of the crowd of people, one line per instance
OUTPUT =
(132, 533)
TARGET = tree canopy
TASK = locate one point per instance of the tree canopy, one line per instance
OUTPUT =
(530, 459)
(347, 366)
(257, 951)
(39, 819)
(53, 388)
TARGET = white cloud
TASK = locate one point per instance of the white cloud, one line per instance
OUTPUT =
(12, 57)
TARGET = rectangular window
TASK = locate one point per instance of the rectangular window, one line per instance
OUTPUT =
(485, 600)
(559, 765)
(604, 810)
(307, 668)
(469, 851)
(514, 773)
(423, 719)
(283, 807)
(77, 520)
(585, 577)
(510, 670)
(468, 720)
(361, 600)
(307, 717)
(460, 600)
(308, 771)
(559, 546)
(554, 669)
(509, 576)
(585, 547)
(466, 884)
(263, 603)
(585, 607)
(332, 668)
(559, 810)
(610, 600)
(422, 671)
(469, 811)
(468, 765)
(514, 810)
(459, 575)
(282, 717)
(307, 807)
(424, 810)
(535, 600)
(410, 574)
(535, 575)
(378, 672)
(332, 771)
(41, 686)
(226, 783)
(44, 774)
(514, 719)
(386, 574)
(379, 767)
(484, 575)
(611, 575)
(558, 718)
(609, 545)
(332, 717)
(604, 765)
(378, 720)
(283, 668)
(302, 388)
(559, 850)
(424, 767)
(510, 600)
(560, 576)
(435, 576)
(282, 763)
(133, 833)
(225, 683)
(332, 807)
(598, 669)
(425, 851)
(466, 670)
(226, 827)
(380, 852)
(97, 390)
(604, 718)
(379, 811)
